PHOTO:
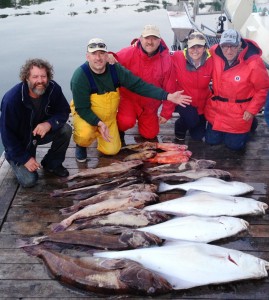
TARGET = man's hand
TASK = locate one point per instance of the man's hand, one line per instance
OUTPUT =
(111, 59)
(247, 116)
(103, 129)
(32, 165)
(41, 129)
(179, 99)
(162, 120)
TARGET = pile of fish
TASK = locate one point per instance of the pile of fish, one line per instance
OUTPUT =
(154, 247)
(172, 153)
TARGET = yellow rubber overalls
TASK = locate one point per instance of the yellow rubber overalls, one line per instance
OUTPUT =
(105, 106)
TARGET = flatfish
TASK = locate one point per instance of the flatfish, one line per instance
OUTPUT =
(198, 229)
(138, 200)
(189, 264)
(102, 275)
(96, 238)
(212, 185)
(133, 218)
(210, 204)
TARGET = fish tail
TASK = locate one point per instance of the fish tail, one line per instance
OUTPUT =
(56, 193)
(163, 187)
(264, 207)
(266, 264)
(58, 227)
(21, 243)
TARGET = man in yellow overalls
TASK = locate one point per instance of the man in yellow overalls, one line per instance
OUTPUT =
(95, 101)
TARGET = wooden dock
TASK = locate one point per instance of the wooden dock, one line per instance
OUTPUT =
(29, 212)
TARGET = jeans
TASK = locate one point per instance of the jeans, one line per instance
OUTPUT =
(25, 178)
(60, 141)
(190, 120)
(55, 156)
(234, 141)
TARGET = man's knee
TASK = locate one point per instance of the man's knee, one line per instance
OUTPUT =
(28, 184)
(235, 144)
(28, 181)
(125, 122)
(109, 150)
(66, 131)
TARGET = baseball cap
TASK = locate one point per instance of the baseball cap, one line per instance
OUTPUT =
(196, 38)
(96, 44)
(151, 30)
(230, 37)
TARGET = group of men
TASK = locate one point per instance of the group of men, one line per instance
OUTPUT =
(109, 99)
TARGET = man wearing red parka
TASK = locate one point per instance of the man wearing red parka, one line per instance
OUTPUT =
(148, 58)
(240, 86)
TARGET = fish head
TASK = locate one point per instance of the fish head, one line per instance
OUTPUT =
(144, 281)
(145, 197)
(138, 239)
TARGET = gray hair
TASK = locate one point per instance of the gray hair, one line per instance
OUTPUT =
(36, 62)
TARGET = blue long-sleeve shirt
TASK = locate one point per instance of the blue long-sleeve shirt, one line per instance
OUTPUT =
(17, 116)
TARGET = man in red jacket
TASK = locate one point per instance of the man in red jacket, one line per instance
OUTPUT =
(240, 85)
(149, 59)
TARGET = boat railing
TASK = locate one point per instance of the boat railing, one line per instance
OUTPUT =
(210, 39)
(195, 27)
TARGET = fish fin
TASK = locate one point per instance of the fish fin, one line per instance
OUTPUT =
(193, 191)
(57, 227)
(68, 210)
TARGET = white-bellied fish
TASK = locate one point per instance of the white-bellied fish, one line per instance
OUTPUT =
(198, 229)
(189, 264)
(210, 204)
(210, 184)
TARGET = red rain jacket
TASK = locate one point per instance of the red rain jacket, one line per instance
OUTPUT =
(194, 83)
(240, 88)
(157, 70)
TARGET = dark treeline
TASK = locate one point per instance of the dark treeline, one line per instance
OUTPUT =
(16, 3)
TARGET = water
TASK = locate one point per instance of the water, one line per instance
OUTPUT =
(59, 30)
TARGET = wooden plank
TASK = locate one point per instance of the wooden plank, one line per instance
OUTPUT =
(52, 289)
(39, 289)
(31, 212)
(8, 188)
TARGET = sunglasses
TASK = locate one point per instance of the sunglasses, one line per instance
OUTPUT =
(226, 47)
(196, 36)
(97, 45)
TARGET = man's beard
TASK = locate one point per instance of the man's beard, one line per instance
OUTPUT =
(37, 91)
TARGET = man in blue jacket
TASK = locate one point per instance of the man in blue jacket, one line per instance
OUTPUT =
(34, 112)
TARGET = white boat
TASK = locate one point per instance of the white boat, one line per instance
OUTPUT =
(249, 17)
